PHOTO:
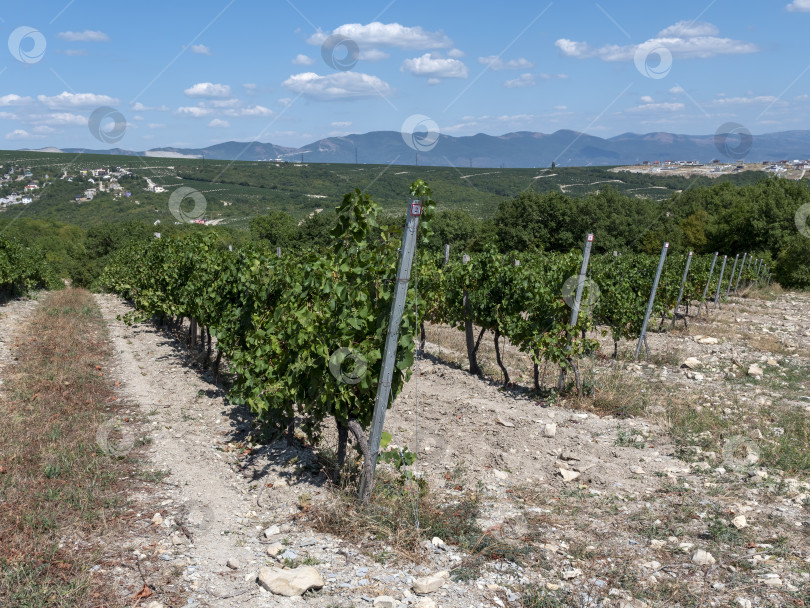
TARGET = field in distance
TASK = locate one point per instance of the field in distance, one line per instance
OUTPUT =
(234, 192)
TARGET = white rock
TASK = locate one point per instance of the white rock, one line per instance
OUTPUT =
(708, 340)
(633, 604)
(385, 601)
(771, 580)
(550, 429)
(692, 363)
(437, 542)
(154, 604)
(502, 422)
(272, 531)
(755, 371)
(157, 519)
(500, 474)
(658, 544)
(637, 470)
(232, 564)
(702, 558)
(572, 573)
(568, 475)
(743, 602)
(429, 584)
(275, 549)
(739, 522)
(290, 582)
(425, 602)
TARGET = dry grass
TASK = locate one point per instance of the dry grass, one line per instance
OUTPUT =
(58, 491)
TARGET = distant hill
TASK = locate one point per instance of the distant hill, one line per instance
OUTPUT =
(511, 150)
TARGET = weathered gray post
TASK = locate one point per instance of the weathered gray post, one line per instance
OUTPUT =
(706, 289)
(719, 284)
(742, 267)
(652, 298)
(680, 292)
(731, 278)
(391, 340)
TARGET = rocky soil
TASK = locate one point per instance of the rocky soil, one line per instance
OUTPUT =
(607, 510)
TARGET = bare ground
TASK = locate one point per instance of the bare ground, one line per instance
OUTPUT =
(650, 489)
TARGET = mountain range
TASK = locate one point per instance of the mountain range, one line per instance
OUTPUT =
(518, 149)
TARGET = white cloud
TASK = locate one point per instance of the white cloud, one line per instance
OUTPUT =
(139, 107)
(432, 81)
(156, 125)
(85, 36)
(647, 99)
(515, 117)
(8, 116)
(677, 90)
(554, 76)
(44, 129)
(435, 67)
(285, 102)
(18, 134)
(302, 59)
(561, 108)
(194, 111)
(220, 103)
(657, 107)
(340, 85)
(75, 52)
(76, 100)
(689, 29)
(250, 88)
(495, 63)
(524, 80)
(684, 39)
(342, 124)
(14, 100)
(373, 55)
(250, 111)
(746, 100)
(208, 89)
(219, 123)
(455, 53)
(799, 6)
(200, 49)
(387, 34)
(59, 118)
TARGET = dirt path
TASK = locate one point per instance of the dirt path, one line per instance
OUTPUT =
(628, 502)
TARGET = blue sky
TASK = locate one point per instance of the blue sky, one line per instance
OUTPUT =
(193, 74)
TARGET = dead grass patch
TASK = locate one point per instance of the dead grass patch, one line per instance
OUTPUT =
(58, 492)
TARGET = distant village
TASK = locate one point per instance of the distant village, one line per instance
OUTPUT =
(25, 187)
(794, 169)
